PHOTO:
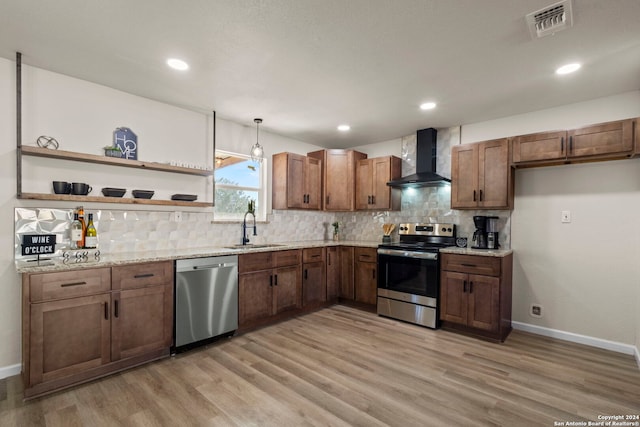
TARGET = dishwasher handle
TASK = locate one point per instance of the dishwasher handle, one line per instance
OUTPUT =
(206, 267)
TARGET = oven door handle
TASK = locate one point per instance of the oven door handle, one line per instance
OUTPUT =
(409, 254)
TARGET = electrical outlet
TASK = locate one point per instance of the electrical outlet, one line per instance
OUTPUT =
(177, 216)
(536, 310)
(566, 216)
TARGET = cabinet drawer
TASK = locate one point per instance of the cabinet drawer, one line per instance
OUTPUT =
(142, 275)
(68, 284)
(255, 262)
(366, 255)
(286, 258)
(312, 255)
(472, 264)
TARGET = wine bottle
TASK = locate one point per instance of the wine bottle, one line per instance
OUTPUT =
(76, 232)
(84, 226)
(91, 236)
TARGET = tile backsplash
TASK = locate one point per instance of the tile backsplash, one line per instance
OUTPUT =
(121, 231)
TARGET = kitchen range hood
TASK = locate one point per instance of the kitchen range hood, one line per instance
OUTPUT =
(426, 155)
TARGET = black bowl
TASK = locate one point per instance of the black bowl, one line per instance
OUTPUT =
(142, 194)
(113, 192)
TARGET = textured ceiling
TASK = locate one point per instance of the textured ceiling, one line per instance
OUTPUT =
(306, 66)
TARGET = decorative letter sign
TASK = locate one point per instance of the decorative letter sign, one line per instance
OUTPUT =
(38, 244)
(127, 141)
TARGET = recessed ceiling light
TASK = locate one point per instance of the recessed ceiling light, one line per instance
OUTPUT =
(344, 128)
(177, 64)
(428, 106)
(569, 68)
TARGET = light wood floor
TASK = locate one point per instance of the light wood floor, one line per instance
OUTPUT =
(341, 366)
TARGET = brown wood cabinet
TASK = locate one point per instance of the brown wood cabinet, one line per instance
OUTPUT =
(142, 309)
(602, 141)
(338, 178)
(82, 324)
(333, 272)
(481, 177)
(296, 182)
(475, 294)
(269, 283)
(346, 290)
(365, 275)
(314, 283)
(372, 191)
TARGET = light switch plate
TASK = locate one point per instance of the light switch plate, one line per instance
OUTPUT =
(566, 216)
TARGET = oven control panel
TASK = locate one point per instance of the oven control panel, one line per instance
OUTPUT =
(427, 229)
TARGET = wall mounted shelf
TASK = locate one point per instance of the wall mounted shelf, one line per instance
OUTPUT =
(119, 200)
(114, 161)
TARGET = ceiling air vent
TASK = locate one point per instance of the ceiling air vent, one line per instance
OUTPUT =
(550, 20)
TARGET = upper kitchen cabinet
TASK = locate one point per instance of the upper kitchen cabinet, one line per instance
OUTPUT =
(481, 177)
(372, 191)
(338, 178)
(603, 141)
(296, 182)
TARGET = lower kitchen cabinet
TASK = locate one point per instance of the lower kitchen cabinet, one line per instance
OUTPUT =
(365, 275)
(475, 294)
(269, 283)
(82, 324)
(333, 272)
(314, 283)
(346, 290)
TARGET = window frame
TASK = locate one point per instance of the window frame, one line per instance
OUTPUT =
(261, 202)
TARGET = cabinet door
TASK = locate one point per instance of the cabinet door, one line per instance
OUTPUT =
(493, 174)
(313, 183)
(346, 290)
(364, 190)
(606, 139)
(333, 272)
(255, 296)
(539, 147)
(142, 321)
(296, 167)
(339, 182)
(366, 282)
(464, 176)
(314, 284)
(287, 284)
(453, 297)
(68, 337)
(484, 302)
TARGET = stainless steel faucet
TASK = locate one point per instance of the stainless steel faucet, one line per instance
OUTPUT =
(245, 239)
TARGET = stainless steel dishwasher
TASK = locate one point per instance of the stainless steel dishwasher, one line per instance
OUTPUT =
(206, 298)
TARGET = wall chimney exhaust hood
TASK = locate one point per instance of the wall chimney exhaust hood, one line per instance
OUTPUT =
(426, 155)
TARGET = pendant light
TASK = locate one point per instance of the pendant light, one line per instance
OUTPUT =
(257, 152)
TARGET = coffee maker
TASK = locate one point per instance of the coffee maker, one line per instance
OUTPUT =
(480, 235)
(492, 232)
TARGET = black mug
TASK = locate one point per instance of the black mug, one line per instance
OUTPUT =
(80, 188)
(61, 187)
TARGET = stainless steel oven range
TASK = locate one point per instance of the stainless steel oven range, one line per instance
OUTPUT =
(409, 273)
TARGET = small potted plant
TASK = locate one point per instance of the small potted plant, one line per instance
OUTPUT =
(112, 151)
(336, 230)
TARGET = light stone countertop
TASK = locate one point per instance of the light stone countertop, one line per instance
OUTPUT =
(498, 253)
(109, 260)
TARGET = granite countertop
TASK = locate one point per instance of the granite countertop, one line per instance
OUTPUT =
(109, 260)
(498, 253)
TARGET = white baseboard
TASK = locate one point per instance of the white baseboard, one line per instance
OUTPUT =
(9, 371)
(618, 347)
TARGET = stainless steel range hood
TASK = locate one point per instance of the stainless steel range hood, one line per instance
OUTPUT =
(426, 155)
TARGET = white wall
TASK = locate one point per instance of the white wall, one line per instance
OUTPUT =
(588, 284)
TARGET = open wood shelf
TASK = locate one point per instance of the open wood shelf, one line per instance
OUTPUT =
(114, 161)
(119, 200)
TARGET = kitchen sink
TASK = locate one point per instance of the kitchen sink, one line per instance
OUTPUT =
(251, 246)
